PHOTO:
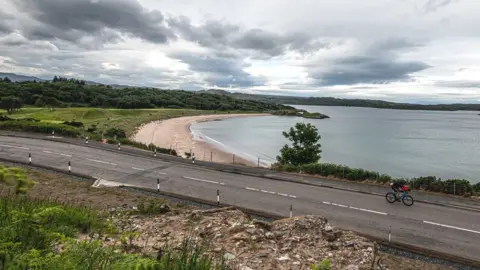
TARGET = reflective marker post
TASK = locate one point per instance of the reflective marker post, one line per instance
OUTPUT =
(86, 140)
(155, 152)
(291, 211)
(218, 197)
(390, 234)
(69, 167)
(29, 158)
(119, 146)
(158, 185)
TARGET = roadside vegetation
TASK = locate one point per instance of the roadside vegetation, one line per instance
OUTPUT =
(303, 156)
(45, 234)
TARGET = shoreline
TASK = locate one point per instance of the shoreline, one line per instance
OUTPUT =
(175, 133)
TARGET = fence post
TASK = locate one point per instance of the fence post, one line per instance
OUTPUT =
(69, 167)
(218, 197)
(158, 185)
(291, 211)
(30, 158)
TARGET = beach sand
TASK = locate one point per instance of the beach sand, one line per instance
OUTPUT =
(175, 134)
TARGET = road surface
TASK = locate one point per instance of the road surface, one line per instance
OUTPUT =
(442, 229)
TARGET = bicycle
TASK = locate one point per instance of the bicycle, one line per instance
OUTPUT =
(405, 198)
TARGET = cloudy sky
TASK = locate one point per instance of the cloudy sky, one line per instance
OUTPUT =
(399, 50)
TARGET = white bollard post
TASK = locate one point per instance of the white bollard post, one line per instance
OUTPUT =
(86, 140)
(218, 197)
(53, 132)
(29, 158)
(193, 157)
(119, 146)
(390, 234)
(155, 152)
(69, 167)
(291, 211)
(158, 185)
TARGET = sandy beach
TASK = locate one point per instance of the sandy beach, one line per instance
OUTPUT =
(175, 133)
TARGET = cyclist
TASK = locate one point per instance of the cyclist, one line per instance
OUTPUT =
(397, 187)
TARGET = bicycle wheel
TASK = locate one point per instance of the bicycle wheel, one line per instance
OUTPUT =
(408, 200)
(391, 198)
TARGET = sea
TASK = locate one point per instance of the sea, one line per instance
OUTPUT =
(400, 143)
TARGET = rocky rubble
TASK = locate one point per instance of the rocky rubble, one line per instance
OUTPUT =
(293, 243)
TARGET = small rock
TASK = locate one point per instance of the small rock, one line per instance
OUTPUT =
(348, 244)
(269, 235)
(252, 231)
(333, 246)
(352, 267)
(284, 258)
(235, 228)
(229, 256)
(262, 254)
(218, 249)
(296, 263)
(369, 249)
(245, 268)
(328, 228)
(330, 254)
(218, 235)
(240, 237)
(262, 224)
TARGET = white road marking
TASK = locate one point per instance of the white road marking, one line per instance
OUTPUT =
(451, 227)
(138, 169)
(104, 162)
(12, 146)
(60, 154)
(355, 208)
(270, 192)
(201, 180)
(161, 173)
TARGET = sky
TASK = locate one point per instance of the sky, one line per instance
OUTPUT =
(423, 51)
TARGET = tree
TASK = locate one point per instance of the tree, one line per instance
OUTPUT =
(305, 147)
(10, 104)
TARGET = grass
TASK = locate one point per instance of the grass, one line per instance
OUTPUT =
(127, 120)
(44, 234)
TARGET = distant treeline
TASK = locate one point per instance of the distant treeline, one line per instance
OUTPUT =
(328, 101)
(62, 92)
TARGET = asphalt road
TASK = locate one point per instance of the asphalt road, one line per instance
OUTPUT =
(442, 229)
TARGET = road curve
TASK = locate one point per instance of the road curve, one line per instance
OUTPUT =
(438, 228)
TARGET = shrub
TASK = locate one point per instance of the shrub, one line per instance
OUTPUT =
(112, 132)
(41, 127)
(73, 124)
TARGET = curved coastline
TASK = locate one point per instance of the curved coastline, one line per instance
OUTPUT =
(176, 133)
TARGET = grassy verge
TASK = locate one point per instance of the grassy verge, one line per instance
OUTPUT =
(40, 233)
(460, 187)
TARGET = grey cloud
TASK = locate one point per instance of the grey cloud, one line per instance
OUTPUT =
(379, 63)
(222, 72)
(6, 19)
(219, 35)
(76, 19)
(459, 84)
(434, 5)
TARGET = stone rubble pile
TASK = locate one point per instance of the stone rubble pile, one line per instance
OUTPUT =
(293, 243)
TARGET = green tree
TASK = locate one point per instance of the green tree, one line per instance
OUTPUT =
(10, 104)
(305, 147)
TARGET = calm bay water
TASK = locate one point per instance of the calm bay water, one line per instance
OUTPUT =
(399, 143)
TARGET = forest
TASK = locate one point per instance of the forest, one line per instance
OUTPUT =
(63, 92)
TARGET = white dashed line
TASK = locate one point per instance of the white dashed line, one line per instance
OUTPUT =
(355, 208)
(12, 146)
(201, 180)
(270, 192)
(161, 173)
(60, 154)
(138, 169)
(104, 162)
(451, 227)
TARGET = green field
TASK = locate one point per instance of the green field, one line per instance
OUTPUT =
(125, 119)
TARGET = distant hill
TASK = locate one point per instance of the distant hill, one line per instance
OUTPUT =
(19, 78)
(23, 78)
(329, 101)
